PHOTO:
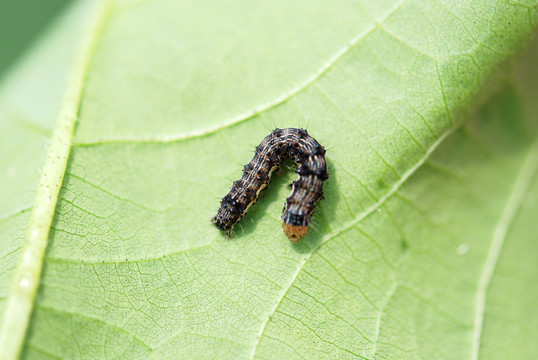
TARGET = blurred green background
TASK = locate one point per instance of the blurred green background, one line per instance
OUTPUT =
(21, 23)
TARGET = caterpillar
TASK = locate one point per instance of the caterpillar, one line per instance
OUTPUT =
(279, 145)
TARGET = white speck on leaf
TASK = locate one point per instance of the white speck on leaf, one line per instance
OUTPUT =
(463, 249)
(12, 172)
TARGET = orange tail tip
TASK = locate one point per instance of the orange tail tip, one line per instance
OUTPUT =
(294, 232)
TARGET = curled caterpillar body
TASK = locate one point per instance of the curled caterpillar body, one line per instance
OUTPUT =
(279, 145)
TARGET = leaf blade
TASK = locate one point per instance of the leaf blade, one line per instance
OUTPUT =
(135, 270)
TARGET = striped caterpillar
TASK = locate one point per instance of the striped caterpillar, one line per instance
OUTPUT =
(280, 144)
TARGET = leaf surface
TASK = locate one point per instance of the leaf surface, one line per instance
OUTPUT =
(428, 213)
(25, 129)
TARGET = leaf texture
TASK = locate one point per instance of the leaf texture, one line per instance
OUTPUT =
(422, 248)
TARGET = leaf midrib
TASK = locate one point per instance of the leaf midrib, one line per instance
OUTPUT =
(73, 102)
(26, 277)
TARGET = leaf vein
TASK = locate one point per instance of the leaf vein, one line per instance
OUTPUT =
(352, 223)
(522, 183)
(263, 108)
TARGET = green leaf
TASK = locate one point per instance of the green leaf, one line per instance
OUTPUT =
(17, 35)
(423, 247)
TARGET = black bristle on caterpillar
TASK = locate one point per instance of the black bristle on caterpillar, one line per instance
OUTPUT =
(279, 145)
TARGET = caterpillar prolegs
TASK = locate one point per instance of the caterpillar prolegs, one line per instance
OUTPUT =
(279, 145)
